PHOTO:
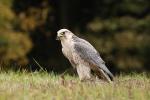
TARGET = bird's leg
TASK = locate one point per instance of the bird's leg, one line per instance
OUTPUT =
(84, 72)
(73, 64)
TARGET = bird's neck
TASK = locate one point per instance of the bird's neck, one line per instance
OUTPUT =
(67, 43)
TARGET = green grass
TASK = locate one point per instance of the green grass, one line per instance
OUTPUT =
(44, 86)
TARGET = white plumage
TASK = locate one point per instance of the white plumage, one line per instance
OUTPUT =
(83, 56)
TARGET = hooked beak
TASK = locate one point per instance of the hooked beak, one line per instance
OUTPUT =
(57, 38)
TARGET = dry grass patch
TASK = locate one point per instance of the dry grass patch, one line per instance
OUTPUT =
(44, 86)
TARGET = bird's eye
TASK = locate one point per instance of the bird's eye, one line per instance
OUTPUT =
(63, 33)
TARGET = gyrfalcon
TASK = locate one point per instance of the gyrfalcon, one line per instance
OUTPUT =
(83, 56)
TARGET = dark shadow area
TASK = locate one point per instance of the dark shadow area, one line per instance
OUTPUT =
(118, 29)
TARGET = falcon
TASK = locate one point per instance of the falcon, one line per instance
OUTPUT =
(83, 57)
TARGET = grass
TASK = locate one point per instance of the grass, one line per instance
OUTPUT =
(45, 86)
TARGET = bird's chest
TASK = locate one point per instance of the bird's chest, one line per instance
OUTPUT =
(67, 49)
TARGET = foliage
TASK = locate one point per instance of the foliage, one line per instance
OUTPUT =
(118, 29)
(124, 39)
(6, 16)
(14, 45)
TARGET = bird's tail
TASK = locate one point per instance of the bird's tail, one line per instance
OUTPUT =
(106, 74)
(106, 71)
(101, 74)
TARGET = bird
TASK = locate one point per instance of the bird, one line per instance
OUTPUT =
(83, 57)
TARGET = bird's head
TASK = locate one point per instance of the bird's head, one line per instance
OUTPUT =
(64, 34)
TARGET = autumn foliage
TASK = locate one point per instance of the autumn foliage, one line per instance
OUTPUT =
(119, 30)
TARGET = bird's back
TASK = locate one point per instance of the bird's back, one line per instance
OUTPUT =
(88, 53)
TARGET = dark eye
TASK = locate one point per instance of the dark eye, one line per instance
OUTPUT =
(63, 33)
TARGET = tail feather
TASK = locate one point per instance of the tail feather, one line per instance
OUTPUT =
(107, 71)
(102, 75)
(106, 77)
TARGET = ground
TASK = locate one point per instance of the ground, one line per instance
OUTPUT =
(46, 86)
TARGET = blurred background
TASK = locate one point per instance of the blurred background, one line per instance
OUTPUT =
(118, 29)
